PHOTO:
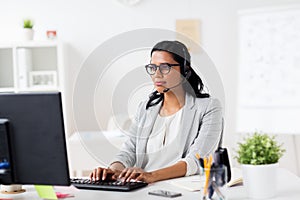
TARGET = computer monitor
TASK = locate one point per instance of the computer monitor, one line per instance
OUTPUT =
(34, 128)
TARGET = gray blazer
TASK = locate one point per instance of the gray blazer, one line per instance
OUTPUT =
(200, 130)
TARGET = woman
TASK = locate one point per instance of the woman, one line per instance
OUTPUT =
(177, 121)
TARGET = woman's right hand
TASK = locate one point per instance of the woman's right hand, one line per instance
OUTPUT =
(103, 174)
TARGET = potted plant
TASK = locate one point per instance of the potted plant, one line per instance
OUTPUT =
(259, 154)
(28, 29)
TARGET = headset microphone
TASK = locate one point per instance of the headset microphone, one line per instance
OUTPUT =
(188, 74)
(167, 89)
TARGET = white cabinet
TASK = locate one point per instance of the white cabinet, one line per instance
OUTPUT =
(31, 66)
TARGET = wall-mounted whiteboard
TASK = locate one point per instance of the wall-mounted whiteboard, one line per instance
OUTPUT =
(269, 70)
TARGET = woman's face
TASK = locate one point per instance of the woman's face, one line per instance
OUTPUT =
(163, 81)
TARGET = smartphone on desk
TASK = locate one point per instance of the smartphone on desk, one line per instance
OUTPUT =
(164, 193)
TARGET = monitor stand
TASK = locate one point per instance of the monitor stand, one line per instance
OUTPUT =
(11, 189)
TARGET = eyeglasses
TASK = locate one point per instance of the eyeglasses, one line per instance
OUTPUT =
(164, 68)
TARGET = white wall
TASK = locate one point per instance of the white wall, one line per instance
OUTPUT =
(83, 25)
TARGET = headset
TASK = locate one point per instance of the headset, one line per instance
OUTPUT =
(186, 72)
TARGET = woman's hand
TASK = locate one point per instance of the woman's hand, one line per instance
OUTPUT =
(104, 174)
(137, 174)
(110, 173)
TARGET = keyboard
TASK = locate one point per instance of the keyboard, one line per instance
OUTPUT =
(81, 183)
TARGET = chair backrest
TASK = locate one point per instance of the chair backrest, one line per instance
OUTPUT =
(222, 154)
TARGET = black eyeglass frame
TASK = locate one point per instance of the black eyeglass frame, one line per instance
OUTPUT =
(159, 67)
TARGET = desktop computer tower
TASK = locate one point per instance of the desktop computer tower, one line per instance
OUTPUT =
(6, 172)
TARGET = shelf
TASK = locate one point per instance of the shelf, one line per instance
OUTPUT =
(31, 65)
(4, 90)
(16, 44)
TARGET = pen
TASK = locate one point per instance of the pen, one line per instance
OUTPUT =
(207, 165)
(211, 180)
(219, 193)
(210, 191)
(200, 160)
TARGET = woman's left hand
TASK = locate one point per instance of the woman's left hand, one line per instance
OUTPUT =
(137, 174)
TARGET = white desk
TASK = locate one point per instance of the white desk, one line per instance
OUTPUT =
(289, 189)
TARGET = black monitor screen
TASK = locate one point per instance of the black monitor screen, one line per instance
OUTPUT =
(37, 137)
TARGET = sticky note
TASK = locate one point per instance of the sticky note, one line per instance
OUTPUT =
(45, 191)
(62, 195)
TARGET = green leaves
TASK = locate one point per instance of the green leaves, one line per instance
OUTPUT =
(27, 23)
(259, 149)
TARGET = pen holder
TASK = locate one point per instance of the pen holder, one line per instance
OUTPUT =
(215, 183)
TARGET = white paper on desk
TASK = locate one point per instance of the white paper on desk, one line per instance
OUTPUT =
(236, 177)
(190, 184)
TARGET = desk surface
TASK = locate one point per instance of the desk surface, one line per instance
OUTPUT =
(288, 188)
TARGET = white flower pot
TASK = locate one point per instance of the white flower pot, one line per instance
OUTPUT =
(28, 34)
(260, 181)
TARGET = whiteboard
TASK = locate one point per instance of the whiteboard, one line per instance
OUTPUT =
(269, 70)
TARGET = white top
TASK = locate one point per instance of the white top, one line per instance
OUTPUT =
(162, 147)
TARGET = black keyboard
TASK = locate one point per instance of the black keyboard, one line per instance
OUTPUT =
(106, 185)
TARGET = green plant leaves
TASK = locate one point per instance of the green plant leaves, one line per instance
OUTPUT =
(259, 149)
(27, 23)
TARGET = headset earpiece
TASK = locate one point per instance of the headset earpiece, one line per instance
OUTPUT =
(188, 74)
(186, 71)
